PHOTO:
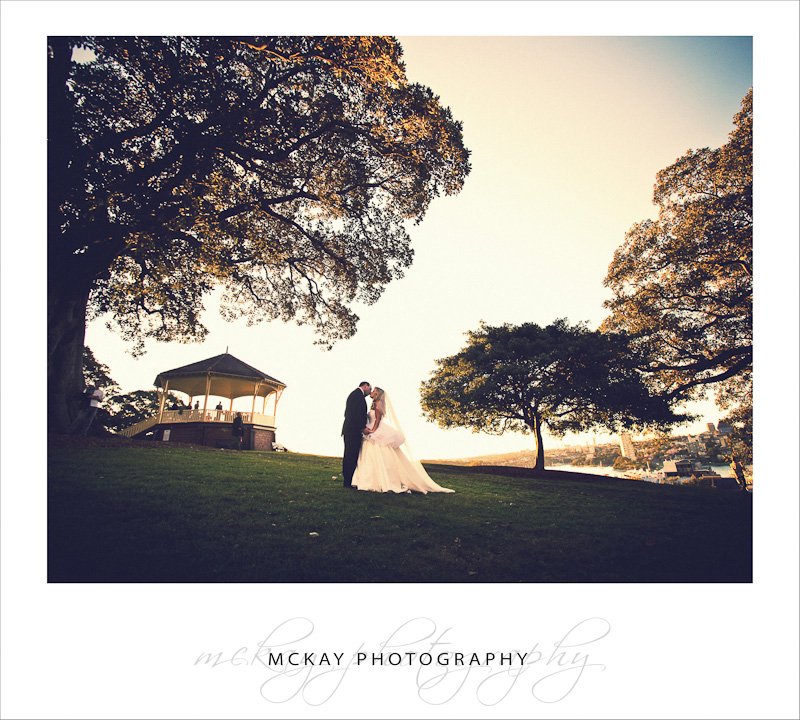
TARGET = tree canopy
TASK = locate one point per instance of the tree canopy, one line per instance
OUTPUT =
(683, 284)
(524, 378)
(284, 170)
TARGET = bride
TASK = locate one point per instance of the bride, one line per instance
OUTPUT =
(385, 463)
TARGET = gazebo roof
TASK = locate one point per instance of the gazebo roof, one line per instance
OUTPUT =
(229, 377)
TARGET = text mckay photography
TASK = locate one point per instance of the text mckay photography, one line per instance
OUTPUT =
(426, 659)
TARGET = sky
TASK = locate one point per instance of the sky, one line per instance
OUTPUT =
(567, 135)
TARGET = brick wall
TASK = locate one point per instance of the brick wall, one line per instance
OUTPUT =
(217, 435)
(262, 438)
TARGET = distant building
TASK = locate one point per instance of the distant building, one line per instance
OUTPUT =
(678, 468)
(711, 428)
(626, 446)
(724, 428)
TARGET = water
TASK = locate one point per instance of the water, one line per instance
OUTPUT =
(723, 470)
(588, 469)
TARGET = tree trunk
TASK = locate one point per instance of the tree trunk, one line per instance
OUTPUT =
(66, 330)
(536, 426)
(70, 273)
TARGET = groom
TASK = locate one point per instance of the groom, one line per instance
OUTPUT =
(355, 420)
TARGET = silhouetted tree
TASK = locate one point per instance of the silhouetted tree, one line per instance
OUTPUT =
(283, 169)
(120, 410)
(736, 397)
(97, 374)
(683, 284)
(127, 409)
(526, 377)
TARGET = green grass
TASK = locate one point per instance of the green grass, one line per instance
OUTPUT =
(120, 511)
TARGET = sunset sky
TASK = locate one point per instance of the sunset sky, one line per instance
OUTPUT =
(567, 135)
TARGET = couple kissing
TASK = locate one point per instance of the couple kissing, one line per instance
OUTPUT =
(376, 455)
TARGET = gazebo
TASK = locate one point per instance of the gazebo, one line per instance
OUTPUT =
(221, 376)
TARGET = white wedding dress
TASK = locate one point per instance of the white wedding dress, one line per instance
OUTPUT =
(385, 466)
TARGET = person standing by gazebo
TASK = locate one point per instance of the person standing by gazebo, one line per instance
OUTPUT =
(93, 396)
(238, 429)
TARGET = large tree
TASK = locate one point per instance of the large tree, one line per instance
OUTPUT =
(562, 377)
(283, 169)
(683, 284)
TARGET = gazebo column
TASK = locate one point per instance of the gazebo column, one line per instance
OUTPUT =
(205, 402)
(278, 394)
(255, 395)
(163, 400)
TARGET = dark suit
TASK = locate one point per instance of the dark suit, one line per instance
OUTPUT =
(355, 420)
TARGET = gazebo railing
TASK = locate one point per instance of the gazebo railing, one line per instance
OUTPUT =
(211, 415)
(193, 416)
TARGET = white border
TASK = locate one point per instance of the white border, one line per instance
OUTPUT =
(127, 651)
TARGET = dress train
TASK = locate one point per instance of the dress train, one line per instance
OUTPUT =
(383, 466)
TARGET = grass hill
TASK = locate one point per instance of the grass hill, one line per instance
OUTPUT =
(125, 511)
